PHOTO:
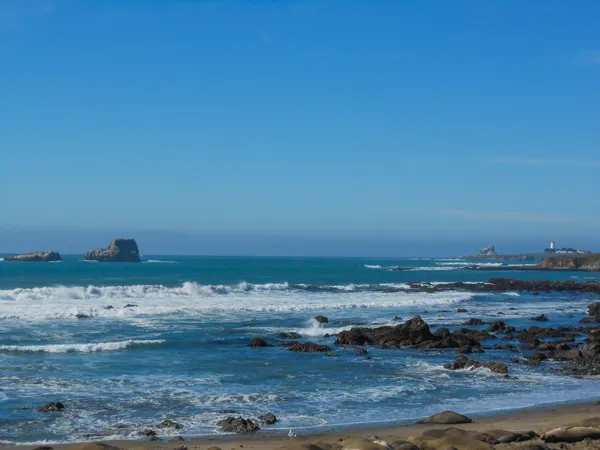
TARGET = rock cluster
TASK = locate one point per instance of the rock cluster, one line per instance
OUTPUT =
(237, 425)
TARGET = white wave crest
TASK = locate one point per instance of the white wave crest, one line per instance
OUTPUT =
(158, 261)
(78, 348)
(375, 266)
(132, 302)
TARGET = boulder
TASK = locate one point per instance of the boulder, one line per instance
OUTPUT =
(267, 419)
(541, 318)
(52, 407)
(465, 363)
(237, 425)
(259, 342)
(447, 418)
(44, 256)
(321, 319)
(571, 434)
(119, 250)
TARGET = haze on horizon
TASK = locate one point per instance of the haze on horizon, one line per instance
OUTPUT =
(299, 127)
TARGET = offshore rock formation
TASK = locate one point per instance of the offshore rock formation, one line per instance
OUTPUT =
(488, 251)
(119, 250)
(589, 262)
(45, 256)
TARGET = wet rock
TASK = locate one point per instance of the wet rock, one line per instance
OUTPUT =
(44, 447)
(474, 322)
(52, 407)
(447, 418)
(497, 327)
(109, 307)
(237, 425)
(461, 310)
(541, 318)
(396, 318)
(414, 333)
(130, 305)
(148, 433)
(119, 250)
(465, 363)
(167, 423)
(82, 316)
(259, 342)
(361, 351)
(307, 347)
(267, 419)
(321, 319)
(227, 411)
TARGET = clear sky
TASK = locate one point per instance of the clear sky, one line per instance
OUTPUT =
(442, 123)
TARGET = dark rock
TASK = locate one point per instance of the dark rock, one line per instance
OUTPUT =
(414, 333)
(594, 309)
(237, 425)
(474, 322)
(45, 256)
(465, 363)
(447, 418)
(396, 318)
(227, 411)
(321, 319)
(461, 310)
(155, 438)
(130, 305)
(361, 351)
(541, 318)
(167, 423)
(307, 347)
(109, 307)
(497, 327)
(119, 250)
(267, 419)
(83, 316)
(259, 342)
(52, 407)
(147, 433)
(44, 447)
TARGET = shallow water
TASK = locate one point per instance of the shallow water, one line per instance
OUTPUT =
(181, 352)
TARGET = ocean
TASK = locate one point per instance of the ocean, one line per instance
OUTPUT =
(125, 346)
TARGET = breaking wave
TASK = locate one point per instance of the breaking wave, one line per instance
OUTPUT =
(84, 303)
(79, 348)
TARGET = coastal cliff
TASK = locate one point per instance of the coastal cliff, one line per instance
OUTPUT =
(589, 262)
(43, 256)
(119, 250)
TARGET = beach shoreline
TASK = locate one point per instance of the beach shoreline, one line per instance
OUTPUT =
(539, 418)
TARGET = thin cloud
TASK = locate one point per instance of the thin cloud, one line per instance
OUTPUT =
(511, 216)
(589, 57)
(546, 162)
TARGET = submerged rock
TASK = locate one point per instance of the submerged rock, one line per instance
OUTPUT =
(44, 256)
(307, 347)
(259, 342)
(237, 425)
(52, 407)
(119, 250)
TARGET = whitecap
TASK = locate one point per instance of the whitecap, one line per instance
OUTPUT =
(78, 348)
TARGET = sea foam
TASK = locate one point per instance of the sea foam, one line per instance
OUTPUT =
(79, 348)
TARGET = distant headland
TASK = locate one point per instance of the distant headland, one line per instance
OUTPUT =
(489, 254)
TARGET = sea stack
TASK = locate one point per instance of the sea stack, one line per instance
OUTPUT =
(119, 250)
(45, 256)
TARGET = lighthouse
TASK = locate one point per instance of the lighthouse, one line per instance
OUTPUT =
(551, 245)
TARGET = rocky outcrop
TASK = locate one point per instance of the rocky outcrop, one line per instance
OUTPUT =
(44, 256)
(321, 319)
(413, 334)
(587, 262)
(52, 407)
(306, 347)
(267, 419)
(259, 342)
(487, 251)
(119, 250)
(237, 425)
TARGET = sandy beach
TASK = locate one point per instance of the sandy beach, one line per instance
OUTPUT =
(539, 420)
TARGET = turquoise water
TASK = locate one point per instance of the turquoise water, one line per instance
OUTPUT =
(181, 352)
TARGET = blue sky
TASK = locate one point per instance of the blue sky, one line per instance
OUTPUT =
(457, 123)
